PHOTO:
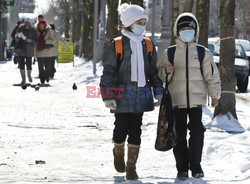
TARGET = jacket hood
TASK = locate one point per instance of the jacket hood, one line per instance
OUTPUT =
(184, 15)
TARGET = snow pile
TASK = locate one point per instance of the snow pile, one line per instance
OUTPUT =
(226, 122)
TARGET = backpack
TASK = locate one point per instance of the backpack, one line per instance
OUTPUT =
(200, 50)
(120, 52)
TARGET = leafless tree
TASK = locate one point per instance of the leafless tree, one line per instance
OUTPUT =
(62, 9)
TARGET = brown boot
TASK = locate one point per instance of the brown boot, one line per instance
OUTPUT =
(133, 152)
(118, 153)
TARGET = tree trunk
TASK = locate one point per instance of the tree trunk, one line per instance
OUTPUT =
(189, 6)
(112, 22)
(175, 15)
(202, 14)
(76, 27)
(89, 30)
(74, 17)
(227, 55)
(85, 33)
(138, 2)
(65, 5)
(66, 24)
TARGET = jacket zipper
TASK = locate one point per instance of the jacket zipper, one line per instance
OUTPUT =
(187, 77)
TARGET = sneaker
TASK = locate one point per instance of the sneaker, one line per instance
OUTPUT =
(182, 175)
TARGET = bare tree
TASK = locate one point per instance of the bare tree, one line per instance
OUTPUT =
(202, 14)
(227, 56)
(62, 7)
(174, 17)
(189, 6)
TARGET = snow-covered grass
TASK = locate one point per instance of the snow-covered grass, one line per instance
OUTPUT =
(72, 134)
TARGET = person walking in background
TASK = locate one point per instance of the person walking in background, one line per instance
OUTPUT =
(26, 37)
(44, 50)
(39, 17)
(135, 73)
(55, 52)
(189, 82)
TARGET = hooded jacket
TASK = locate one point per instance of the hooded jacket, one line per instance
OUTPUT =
(24, 48)
(49, 39)
(189, 86)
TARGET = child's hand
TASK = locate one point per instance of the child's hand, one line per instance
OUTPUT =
(214, 102)
(169, 68)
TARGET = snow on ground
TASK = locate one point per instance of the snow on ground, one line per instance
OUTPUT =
(72, 134)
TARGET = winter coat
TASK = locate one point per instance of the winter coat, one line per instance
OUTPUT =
(24, 48)
(49, 39)
(58, 38)
(190, 81)
(117, 77)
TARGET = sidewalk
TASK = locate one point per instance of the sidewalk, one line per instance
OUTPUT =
(57, 135)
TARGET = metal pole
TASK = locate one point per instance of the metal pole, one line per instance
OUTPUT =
(95, 35)
(165, 28)
(102, 28)
(153, 20)
(169, 19)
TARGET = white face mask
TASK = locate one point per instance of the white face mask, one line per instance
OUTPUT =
(187, 35)
(138, 29)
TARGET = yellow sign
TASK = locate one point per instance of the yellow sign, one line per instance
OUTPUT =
(66, 55)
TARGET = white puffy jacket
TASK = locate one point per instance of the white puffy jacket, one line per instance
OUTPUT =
(187, 85)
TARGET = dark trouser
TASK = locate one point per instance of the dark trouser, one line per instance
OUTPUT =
(128, 124)
(25, 61)
(188, 157)
(53, 69)
(44, 67)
